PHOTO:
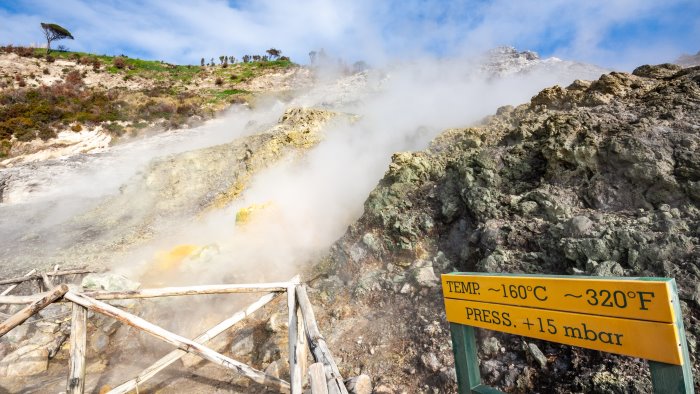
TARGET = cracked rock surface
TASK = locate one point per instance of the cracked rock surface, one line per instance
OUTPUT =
(598, 178)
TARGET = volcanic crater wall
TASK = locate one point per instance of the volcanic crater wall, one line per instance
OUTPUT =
(598, 178)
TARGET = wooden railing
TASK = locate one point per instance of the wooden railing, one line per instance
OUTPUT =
(324, 376)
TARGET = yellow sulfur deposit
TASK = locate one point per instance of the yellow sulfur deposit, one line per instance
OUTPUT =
(245, 214)
(166, 261)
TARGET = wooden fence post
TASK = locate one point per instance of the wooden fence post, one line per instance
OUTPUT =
(317, 379)
(78, 341)
(295, 377)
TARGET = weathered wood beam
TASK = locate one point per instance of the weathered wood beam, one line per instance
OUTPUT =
(317, 379)
(78, 342)
(317, 343)
(295, 377)
(164, 292)
(178, 341)
(38, 276)
(31, 309)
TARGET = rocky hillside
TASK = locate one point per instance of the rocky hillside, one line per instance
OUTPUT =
(598, 178)
(69, 102)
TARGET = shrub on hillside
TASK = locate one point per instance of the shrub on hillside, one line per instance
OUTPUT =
(24, 51)
(219, 81)
(115, 129)
(46, 133)
(50, 59)
(74, 79)
(119, 62)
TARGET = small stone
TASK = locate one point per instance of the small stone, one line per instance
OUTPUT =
(608, 268)
(537, 354)
(441, 262)
(430, 361)
(407, 289)
(579, 226)
(696, 294)
(109, 282)
(425, 277)
(361, 384)
(47, 327)
(607, 382)
(99, 341)
(490, 347)
(371, 241)
(110, 326)
(357, 253)
(491, 368)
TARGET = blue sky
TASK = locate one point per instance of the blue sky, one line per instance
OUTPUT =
(619, 34)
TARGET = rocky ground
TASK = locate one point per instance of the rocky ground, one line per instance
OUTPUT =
(598, 178)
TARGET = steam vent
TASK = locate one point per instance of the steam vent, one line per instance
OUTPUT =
(350, 197)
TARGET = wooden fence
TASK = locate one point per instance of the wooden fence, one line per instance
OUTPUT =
(324, 376)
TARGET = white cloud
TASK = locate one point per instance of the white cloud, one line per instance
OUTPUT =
(183, 31)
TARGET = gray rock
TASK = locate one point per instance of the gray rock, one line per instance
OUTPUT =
(490, 347)
(696, 294)
(25, 361)
(441, 262)
(99, 341)
(357, 253)
(430, 361)
(372, 242)
(407, 289)
(109, 281)
(607, 382)
(17, 334)
(244, 344)
(361, 384)
(579, 226)
(608, 268)
(425, 277)
(537, 354)
(491, 368)
(110, 326)
(269, 351)
(47, 327)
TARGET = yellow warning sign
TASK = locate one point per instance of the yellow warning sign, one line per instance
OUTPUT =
(625, 316)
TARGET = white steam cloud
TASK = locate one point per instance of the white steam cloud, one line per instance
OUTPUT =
(312, 200)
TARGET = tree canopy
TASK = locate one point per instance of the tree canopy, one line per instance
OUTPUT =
(54, 32)
(274, 53)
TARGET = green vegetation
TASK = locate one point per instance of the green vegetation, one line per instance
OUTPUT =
(242, 72)
(161, 93)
